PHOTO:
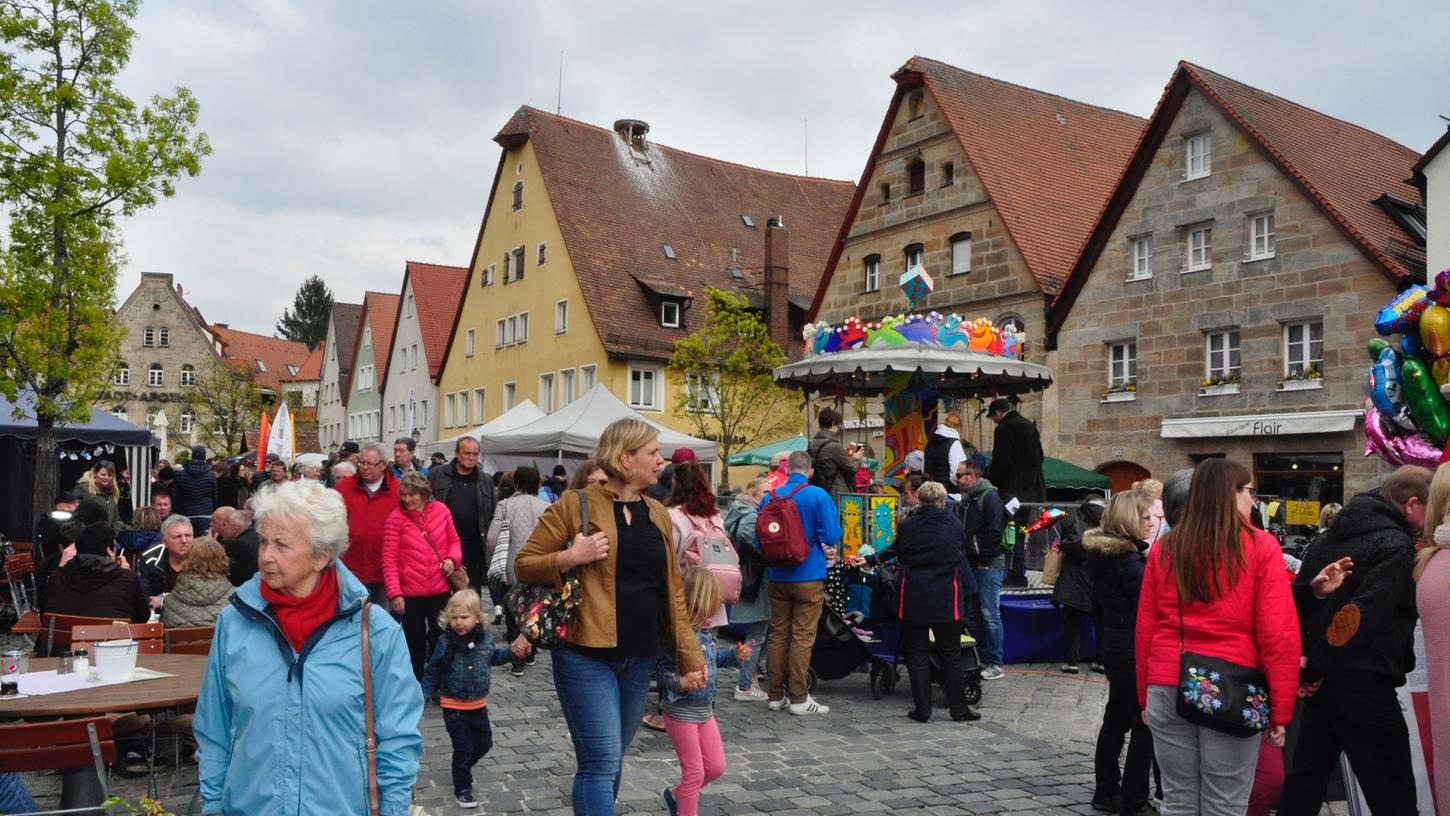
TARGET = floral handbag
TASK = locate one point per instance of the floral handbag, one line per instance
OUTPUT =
(1220, 694)
(544, 611)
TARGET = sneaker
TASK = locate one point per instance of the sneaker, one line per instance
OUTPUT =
(1098, 668)
(1069, 668)
(810, 706)
(497, 618)
(529, 661)
(670, 802)
(1112, 803)
(993, 673)
(516, 668)
(754, 694)
(464, 799)
(135, 763)
(777, 705)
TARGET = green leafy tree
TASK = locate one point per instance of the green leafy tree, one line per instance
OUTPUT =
(724, 373)
(306, 321)
(227, 403)
(76, 154)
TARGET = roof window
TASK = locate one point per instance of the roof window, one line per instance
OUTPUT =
(261, 366)
(669, 251)
(749, 222)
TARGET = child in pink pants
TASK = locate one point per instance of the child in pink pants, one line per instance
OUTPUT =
(690, 715)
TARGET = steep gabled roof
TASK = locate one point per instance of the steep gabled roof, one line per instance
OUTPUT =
(311, 368)
(380, 311)
(437, 297)
(346, 322)
(266, 357)
(618, 205)
(1341, 167)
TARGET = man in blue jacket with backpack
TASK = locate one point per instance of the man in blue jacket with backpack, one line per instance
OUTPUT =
(794, 537)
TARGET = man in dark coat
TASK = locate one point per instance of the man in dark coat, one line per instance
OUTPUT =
(982, 519)
(193, 494)
(48, 536)
(1358, 646)
(94, 584)
(239, 538)
(468, 494)
(1016, 470)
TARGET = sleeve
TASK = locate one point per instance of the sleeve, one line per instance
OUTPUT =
(501, 656)
(956, 455)
(429, 683)
(392, 542)
(845, 465)
(669, 676)
(828, 522)
(397, 710)
(538, 561)
(212, 726)
(994, 521)
(1146, 625)
(490, 539)
(145, 574)
(725, 658)
(140, 610)
(1276, 628)
(1002, 453)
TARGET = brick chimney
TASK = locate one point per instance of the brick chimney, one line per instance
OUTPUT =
(777, 280)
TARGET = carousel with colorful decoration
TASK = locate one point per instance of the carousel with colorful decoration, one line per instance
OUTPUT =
(1407, 421)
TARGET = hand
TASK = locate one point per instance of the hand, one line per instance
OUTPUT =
(856, 561)
(742, 651)
(397, 605)
(1275, 736)
(695, 680)
(155, 602)
(120, 559)
(1307, 690)
(520, 647)
(586, 550)
(67, 554)
(448, 566)
(1332, 577)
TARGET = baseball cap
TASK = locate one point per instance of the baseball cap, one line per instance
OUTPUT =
(683, 455)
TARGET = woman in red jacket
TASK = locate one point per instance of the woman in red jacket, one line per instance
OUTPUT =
(1226, 579)
(420, 549)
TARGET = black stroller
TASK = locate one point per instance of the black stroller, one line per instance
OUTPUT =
(886, 633)
(839, 651)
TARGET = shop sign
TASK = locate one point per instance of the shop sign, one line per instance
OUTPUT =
(1262, 425)
(1305, 513)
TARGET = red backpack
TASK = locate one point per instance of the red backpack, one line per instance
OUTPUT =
(780, 532)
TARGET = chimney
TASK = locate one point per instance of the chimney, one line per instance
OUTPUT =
(777, 280)
(632, 131)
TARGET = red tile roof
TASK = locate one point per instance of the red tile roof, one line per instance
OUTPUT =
(1343, 168)
(618, 206)
(380, 311)
(266, 357)
(311, 368)
(437, 297)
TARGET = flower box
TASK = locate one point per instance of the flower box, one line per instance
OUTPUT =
(1218, 390)
(1301, 385)
(1120, 396)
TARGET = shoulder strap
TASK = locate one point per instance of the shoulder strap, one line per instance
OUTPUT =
(427, 538)
(791, 495)
(372, 741)
(583, 512)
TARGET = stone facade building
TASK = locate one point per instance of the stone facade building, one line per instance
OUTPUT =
(1222, 304)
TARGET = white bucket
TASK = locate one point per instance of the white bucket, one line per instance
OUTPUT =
(116, 659)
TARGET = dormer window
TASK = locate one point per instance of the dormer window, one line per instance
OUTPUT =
(670, 314)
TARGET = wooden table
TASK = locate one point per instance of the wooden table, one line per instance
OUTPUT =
(79, 786)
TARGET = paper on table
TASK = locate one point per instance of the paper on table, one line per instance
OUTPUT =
(33, 684)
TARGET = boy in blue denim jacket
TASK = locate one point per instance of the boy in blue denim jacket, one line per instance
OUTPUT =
(460, 668)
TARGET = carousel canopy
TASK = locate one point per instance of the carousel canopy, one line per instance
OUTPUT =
(952, 372)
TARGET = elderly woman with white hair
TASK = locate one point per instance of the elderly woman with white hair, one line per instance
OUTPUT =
(283, 723)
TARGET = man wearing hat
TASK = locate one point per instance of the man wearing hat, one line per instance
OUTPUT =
(660, 491)
(193, 494)
(48, 536)
(1016, 470)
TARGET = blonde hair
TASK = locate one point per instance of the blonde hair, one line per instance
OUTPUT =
(621, 436)
(933, 493)
(464, 601)
(1326, 516)
(207, 558)
(1124, 516)
(1152, 488)
(953, 421)
(702, 594)
(1436, 510)
(757, 482)
(146, 518)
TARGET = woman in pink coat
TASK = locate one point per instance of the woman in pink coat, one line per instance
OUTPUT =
(420, 550)
(1432, 597)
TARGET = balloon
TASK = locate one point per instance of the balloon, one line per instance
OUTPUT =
(1375, 346)
(1397, 447)
(1440, 370)
(1384, 382)
(1410, 344)
(1423, 397)
(1442, 288)
(1401, 313)
(1435, 329)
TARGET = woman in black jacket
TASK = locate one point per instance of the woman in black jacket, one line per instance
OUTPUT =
(934, 585)
(1116, 557)
(1073, 590)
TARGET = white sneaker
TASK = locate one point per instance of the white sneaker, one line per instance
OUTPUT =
(810, 706)
(993, 673)
(753, 694)
(777, 705)
(497, 615)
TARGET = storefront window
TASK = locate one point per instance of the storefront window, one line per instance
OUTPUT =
(1301, 484)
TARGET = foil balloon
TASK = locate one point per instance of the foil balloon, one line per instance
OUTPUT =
(1435, 330)
(1375, 346)
(1440, 371)
(1384, 382)
(1442, 288)
(1401, 313)
(1397, 447)
(1423, 397)
(1410, 344)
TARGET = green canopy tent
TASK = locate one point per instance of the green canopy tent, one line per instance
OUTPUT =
(1065, 476)
(761, 456)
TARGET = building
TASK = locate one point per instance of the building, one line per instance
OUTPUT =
(990, 187)
(370, 360)
(1432, 176)
(271, 360)
(1222, 303)
(595, 244)
(337, 351)
(429, 304)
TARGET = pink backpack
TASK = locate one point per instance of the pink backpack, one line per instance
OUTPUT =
(708, 546)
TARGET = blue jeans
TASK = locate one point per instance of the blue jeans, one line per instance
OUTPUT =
(602, 701)
(472, 737)
(755, 636)
(989, 597)
(14, 798)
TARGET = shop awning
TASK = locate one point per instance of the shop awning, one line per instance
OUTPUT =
(1262, 425)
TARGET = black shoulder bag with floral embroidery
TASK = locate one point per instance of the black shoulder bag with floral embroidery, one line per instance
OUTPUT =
(1220, 694)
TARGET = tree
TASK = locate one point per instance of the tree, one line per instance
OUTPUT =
(75, 155)
(306, 321)
(727, 388)
(226, 404)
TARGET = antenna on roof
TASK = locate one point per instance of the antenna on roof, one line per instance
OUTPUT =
(559, 96)
(807, 124)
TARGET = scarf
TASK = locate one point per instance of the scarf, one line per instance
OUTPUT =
(300, 617)
(1442, 535)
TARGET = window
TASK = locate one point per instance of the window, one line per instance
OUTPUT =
(670, 314)
(510, 394)
(450, 407)
(422, 414)
(566, 386)
(523, 327)
(148, 337)
(408, 308)
(543, 253)
(747, 221)
(462, 417)
(486, 279)
(1122, 365)
(1199, 151)
(518, 194)
(261, 366)
(188, 375)
(478, 406)
(546, 393)
(913, 104)
(1303, 349)
(368, 337)
(586, 377)
(292, 370)
(644, 388)
(885, 193)
(413, 366)
(700, 394)
(518, 263)
(948, 174)
(119, 412)
(1142, 258)
(392, 417)
(915, 256)
(502, 336)
(1200, 249)
(873, 273)
(512, 330)
(1221, 361)
(915, 177)
(561, 316)
(156, 375)
(122, 375)
(186, 422)
(668, 250)
(961, 253)
(469, 338)
(163, 337)
(1261, 236)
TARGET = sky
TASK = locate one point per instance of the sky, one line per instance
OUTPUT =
(353, 135)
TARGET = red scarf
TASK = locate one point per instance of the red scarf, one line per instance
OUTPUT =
(300, 617)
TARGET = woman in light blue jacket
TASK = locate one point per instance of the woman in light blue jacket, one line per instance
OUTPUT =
(280, 722)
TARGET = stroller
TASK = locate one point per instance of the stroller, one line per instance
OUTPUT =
(840, 650)
(886, 675)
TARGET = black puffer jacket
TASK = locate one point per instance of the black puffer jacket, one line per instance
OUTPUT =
(1115, 567)
(1073, 587)
(193, 492)
(934, 580)
(96, 586)
(1366, 629)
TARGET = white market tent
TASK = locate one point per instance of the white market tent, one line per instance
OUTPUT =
(572, 432)
(515, 417)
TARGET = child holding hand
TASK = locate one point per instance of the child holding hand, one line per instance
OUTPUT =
(690, 715)
(461, 669)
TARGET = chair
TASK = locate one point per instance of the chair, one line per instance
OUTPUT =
(20, 577)
(57, 629)
(149, 634)
(23, 546)
(192, 640)
(79, 748)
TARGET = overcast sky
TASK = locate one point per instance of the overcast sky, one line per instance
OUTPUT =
(351, 135)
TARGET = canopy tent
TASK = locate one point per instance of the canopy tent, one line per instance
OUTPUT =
(515, 417)
(573, 432)
(762, 455)
(78, 447)
(1060, 475)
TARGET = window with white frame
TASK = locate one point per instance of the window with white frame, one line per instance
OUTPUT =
(186, 421)
(587, 377)
(422, 414)
(413, 354)
(873, 273)
(450, 408)
(392, 417)
(1198, 151)
(1303, 349)
(478, 407)
(462, 417)
(512, 330)
(523, 327)
(961, 253)
(188, 374)
(700, 393)
(148, 337)
(1221, 357)
(469, 338)
(1261, 236)
(915, 256)
(119, 412)
(163, 337)
(122, 375)
(156, 375)
(566, 386)
(1200, 248)
(510, 395)
(670, 314)
(1142, 257)
(1122, 364)
(546, 392)
(408, 310)
(561, 316)
(261, 366)
(644, 388)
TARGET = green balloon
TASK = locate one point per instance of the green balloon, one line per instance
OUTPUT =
(1423, 396)
(1375, 346)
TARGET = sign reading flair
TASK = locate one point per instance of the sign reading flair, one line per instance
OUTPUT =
(1307, 422)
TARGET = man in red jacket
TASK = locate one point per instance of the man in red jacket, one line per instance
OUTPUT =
(369, 497)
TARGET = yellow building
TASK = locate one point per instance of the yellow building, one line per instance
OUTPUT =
(594, 245)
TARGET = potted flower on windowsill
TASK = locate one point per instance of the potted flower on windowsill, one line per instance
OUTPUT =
(1124, 391)
(1303, 379)
(1220, 384)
